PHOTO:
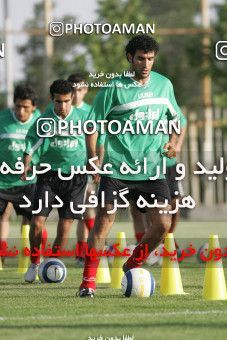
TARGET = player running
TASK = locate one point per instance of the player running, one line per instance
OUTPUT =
(61, 151)
(84, 226)
(13, 130)
(141, 220)
(147, 96)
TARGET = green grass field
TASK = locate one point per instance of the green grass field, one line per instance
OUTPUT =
(35, 311)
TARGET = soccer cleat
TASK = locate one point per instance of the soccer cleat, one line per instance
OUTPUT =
(86, 292)
(31, 273)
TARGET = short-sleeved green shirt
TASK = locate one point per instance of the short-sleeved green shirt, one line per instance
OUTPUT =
(12, 144)
(127, 100)
(61, 150)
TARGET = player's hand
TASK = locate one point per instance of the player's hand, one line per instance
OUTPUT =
(95, 177)
(25, 173)
(170, 151)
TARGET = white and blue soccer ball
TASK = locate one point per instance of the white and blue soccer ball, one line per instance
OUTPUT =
(138, 282)
(52, 270)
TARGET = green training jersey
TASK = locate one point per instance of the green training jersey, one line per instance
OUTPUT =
(132, 104)
(12, 144)
(60, 150)
(86, 108)
(101, 137)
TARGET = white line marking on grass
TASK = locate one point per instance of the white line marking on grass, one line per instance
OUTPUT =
(72, 317)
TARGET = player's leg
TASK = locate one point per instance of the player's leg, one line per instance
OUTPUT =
(175, 217)
(4, 222)
(96, 240)
(82, 233)
(4, 226)
(98, 235)
(26, 220)
(139, 221)
(35, 237)
(84, 227)
(89, 215)
(154, 235)
(152, 192)
(63, 232)
(176, 192)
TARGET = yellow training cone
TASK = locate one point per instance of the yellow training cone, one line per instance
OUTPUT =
(103, 272)
(116, 271)
(214, 282)
(24, 261)
(171, 283)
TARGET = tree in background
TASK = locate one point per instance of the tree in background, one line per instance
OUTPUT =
(33, 53)
(173, 60)
(180, 56)
(219, 68)
(215, 68)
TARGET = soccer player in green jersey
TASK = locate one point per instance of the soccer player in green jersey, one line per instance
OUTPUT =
(13, 129)
(62, 150)
(84, 226)
(146, 97)
(141, 220)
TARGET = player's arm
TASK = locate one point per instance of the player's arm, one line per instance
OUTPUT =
(100, 152)
(175, 143)
(32, 149)
(91, 141)
(169, 148)
(100, 147)
(180, 140)
(99, 111)
(174, 113)
(27, 168)
(177, 139)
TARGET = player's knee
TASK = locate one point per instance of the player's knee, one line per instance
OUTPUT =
(37, 225)
(164, 225)
(99, 234)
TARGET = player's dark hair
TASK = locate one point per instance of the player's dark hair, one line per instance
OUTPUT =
(76, 78)
(24, 92)
(141, 42)
(60, 86)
